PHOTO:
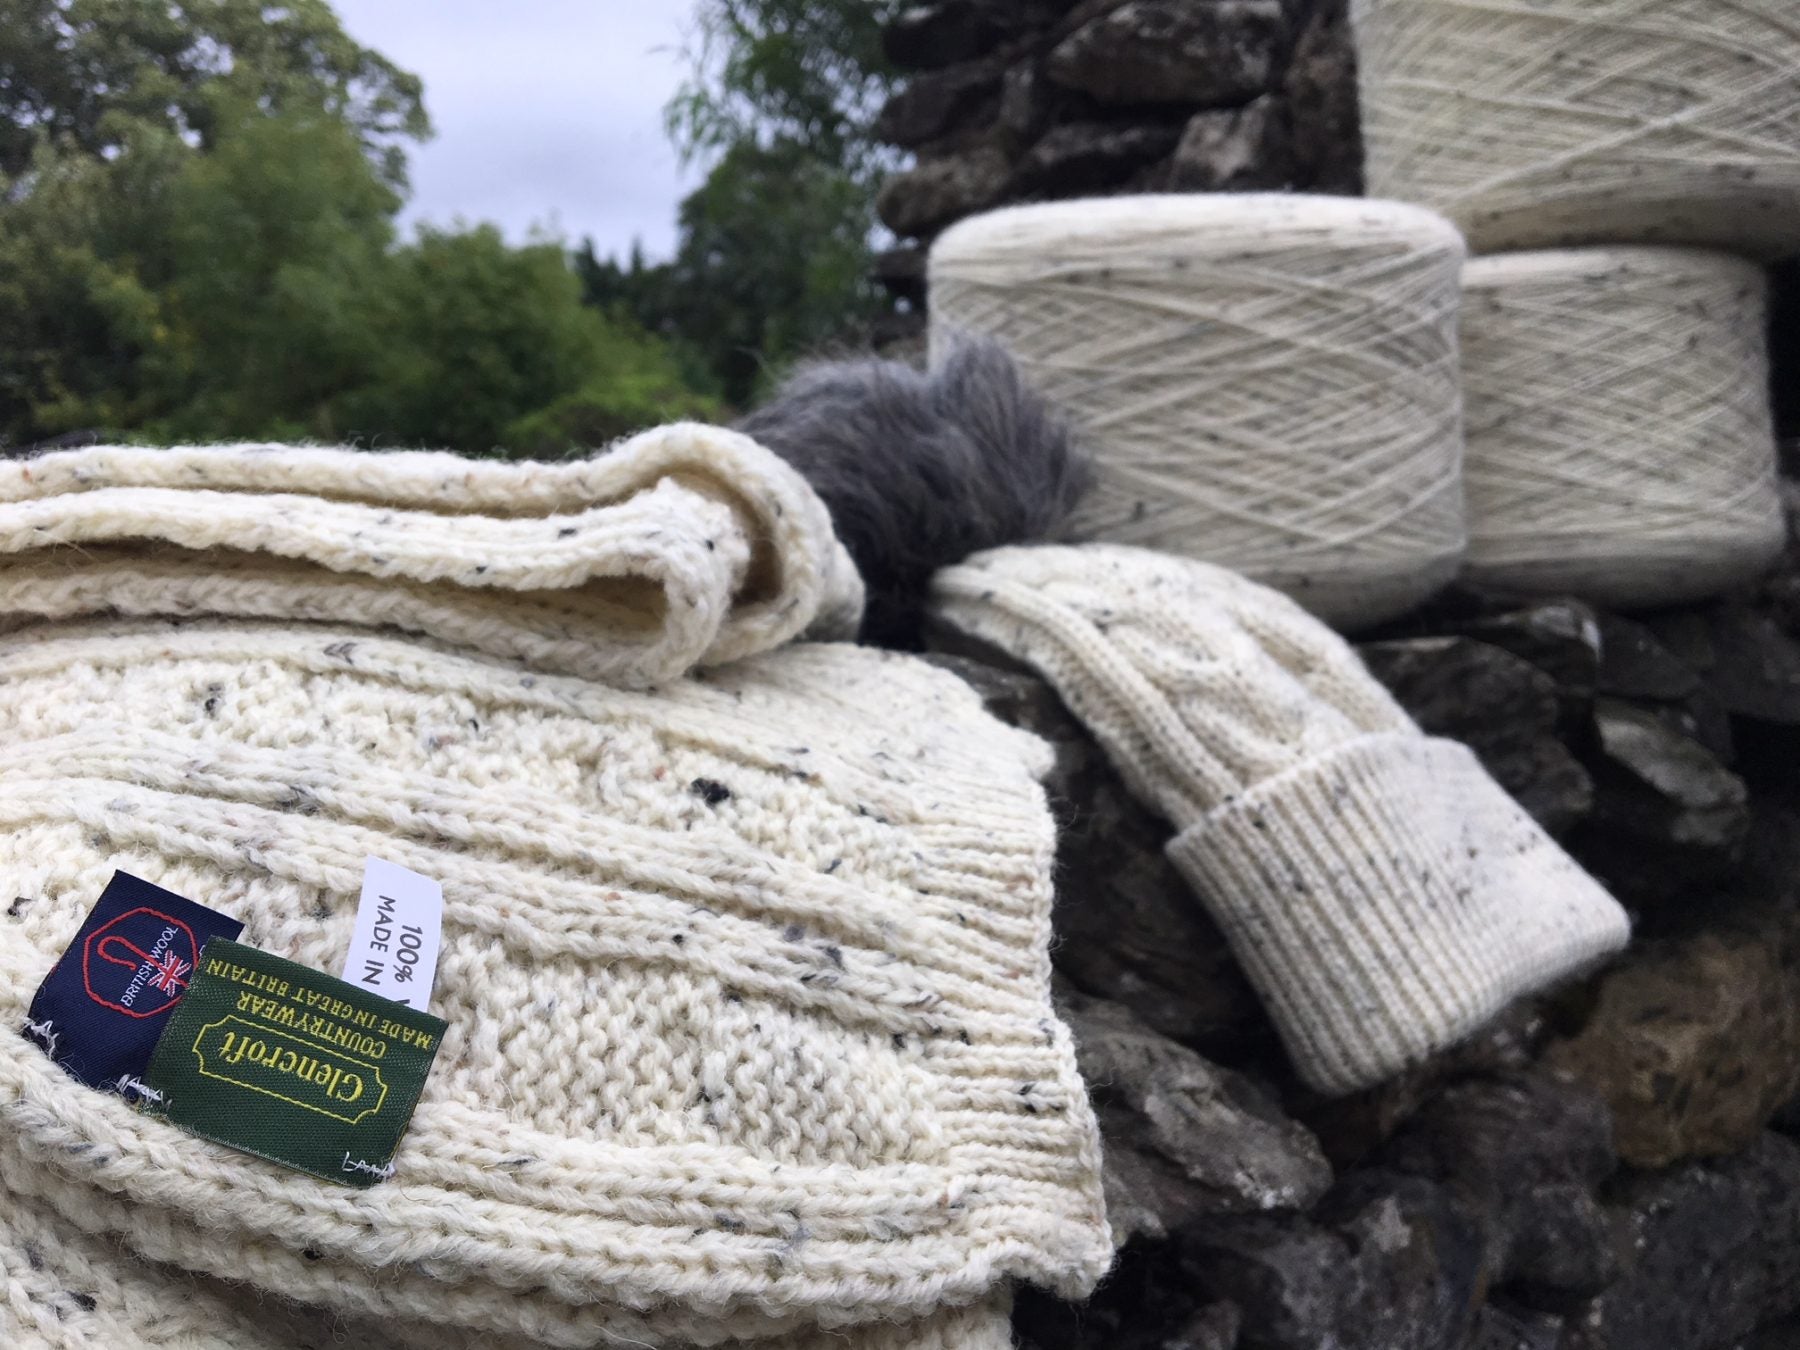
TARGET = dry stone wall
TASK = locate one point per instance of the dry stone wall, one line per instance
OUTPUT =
(1033, 100)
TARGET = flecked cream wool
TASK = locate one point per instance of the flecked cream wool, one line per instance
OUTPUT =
(1621, 445)
(746, 974)
(1383, 894)
(65, 1289)
(747, 979)
(686, 544)
(1267, 382)
(1549, 122)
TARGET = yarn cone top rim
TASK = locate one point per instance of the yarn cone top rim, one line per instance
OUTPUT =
(1578, 264)
(1248, 222)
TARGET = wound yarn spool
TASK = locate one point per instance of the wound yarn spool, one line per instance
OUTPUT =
(1266, 382)
(1535, 123)
(1620, 440)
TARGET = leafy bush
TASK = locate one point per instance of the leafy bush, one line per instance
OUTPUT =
(256, 291)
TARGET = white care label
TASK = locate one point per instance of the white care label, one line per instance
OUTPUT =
(395, 950)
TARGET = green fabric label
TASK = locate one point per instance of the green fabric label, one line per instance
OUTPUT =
(290, 1064)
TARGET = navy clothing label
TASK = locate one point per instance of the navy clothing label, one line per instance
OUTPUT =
(103, 1006)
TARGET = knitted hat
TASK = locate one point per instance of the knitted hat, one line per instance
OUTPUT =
(685, 545)
(1385, 896)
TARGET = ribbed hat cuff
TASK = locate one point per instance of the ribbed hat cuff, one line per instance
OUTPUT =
(1387, 899)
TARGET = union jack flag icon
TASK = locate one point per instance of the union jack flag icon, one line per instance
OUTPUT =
(169, 973)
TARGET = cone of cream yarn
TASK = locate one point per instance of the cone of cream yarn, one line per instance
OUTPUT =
(1620, 439)
(746, 975)
(1266, 382)
(1545, 122)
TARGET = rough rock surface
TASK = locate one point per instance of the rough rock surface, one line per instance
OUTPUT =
(1150, 1301)
(1669, 815)
(1387, 1262)
(1637, 665)
(1782, 1335)
(1749, 663)
(1185, 1139)
(936, 35)
(1500, 704)
(1324, 139)
(1171, 51)
(1024, 100)
(936, 104)
(927, 198)
(1092, 156)
(1695, 1042)
(1128, 927)
(1563, 638)
(1714, 1254)
(1500, 1328)
(1526, 1153)
(1230, 150)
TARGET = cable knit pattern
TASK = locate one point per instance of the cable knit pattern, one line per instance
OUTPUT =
(1385, 896)
(685, 545)
(746, 979)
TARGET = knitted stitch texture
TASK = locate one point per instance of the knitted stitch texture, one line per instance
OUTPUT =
(685, 545)
(63, 1289)
(746, 979)
(1384, 895)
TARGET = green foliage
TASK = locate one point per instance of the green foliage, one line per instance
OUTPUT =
(773, 263)
(88, 75)
(275, 255)
(81, 323)
(255, 290)
(805, 72)
(196, 236)
(642, 386)
(489, 347)
(774, 257)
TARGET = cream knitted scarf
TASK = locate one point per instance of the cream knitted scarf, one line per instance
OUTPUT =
(746, 976)
(686, 545)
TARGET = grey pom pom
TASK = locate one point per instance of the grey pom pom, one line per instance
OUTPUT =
(921, 470)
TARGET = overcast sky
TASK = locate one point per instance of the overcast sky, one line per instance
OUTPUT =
(548, 112)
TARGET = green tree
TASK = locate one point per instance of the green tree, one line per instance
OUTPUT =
(774, 251)
(637, 381)
(773, 263)
(256, 291)
(475, 336)
(276, 258)
(190, 295)
(78, 318)
(86, 74)
(809, 73)
(197, 242)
